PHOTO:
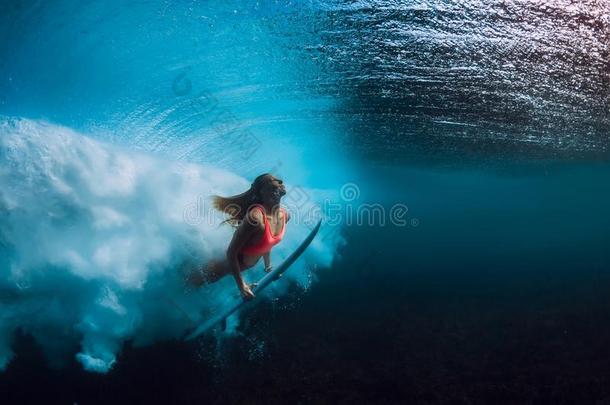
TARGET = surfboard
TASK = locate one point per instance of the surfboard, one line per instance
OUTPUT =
(260, 286)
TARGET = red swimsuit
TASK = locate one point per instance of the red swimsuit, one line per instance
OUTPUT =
(268, 240)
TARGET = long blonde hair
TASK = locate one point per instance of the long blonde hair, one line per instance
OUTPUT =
(237, 206)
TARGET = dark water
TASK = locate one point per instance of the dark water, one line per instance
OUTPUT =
(499, 294)
(488, 120)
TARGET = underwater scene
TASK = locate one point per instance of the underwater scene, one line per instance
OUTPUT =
(322, 201)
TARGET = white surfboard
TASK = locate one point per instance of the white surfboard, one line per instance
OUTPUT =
(261, 285)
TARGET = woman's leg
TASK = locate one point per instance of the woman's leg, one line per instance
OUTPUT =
(213, 271)
(196, 277)
(217, 269)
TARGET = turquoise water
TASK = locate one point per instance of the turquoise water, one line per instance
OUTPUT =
(459, 152)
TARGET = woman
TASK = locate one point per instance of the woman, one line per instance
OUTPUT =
(260, 225)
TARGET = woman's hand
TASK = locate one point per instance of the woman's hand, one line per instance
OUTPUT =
(246, 292)
(268, 269)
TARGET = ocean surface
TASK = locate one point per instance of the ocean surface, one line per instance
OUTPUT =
(457, 151)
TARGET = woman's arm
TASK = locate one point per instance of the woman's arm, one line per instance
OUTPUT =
(245, 231)
(267, 259)
(267, 256)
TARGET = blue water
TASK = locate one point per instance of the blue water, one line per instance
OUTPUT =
(485, 125)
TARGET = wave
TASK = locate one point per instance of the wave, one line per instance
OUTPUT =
(96, 240)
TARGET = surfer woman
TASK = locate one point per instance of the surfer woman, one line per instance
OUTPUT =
(260, 225)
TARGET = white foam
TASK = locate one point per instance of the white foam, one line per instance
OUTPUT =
(95, 241)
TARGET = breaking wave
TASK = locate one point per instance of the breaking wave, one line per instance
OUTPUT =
(96, 240)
